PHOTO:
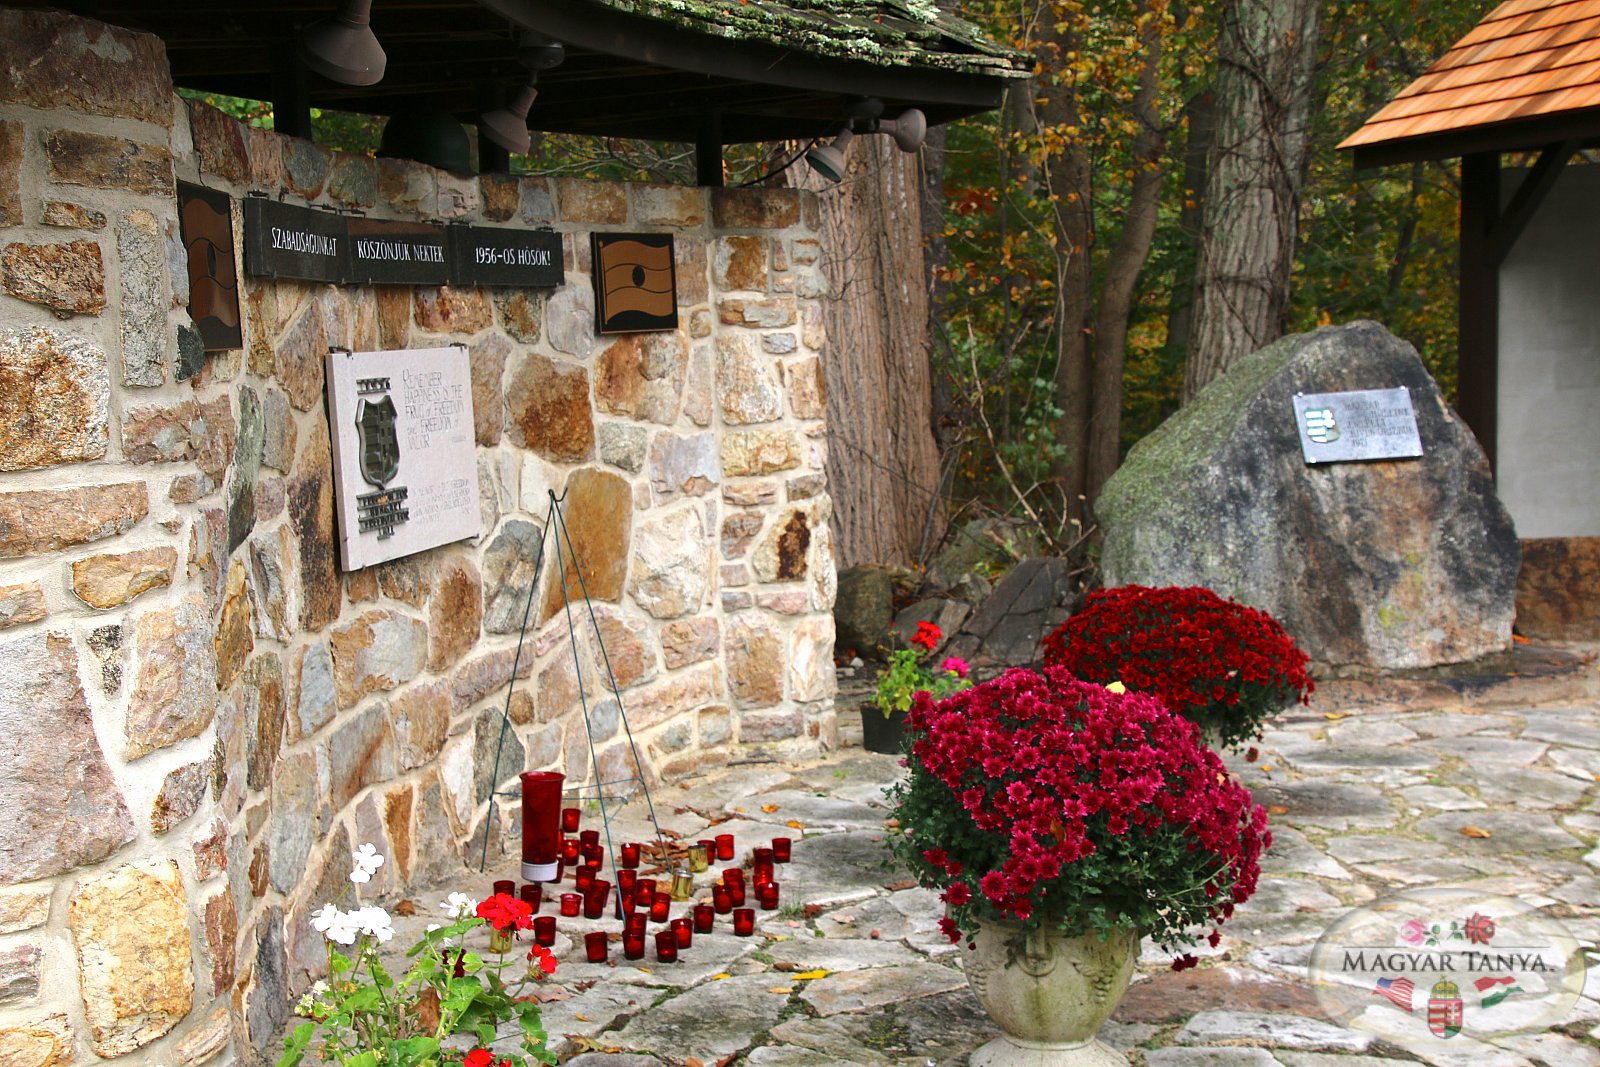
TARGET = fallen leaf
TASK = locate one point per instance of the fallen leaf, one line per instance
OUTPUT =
(1335, 716)
(739, 810)
(428, 1009)
(813, 910)
(581, 1017)
(1277, 809)
(909, 883)
(692, 1062)
(720, 977)
(795, 824)
(806, 976)
(407, 908)
(769, 808)
(1476, 831)
(1266, 766)
(874, 935)
(1518, 639)
(784, 989)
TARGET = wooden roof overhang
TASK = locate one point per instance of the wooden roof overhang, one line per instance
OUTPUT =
(665, 73)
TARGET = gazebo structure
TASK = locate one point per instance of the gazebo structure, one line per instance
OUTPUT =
(210, 695)
(1524, 82)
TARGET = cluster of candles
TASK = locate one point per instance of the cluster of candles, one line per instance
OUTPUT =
(639, 901)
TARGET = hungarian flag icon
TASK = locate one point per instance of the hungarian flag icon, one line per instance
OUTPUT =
(1444, 1009)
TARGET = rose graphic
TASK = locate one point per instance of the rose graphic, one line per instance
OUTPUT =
(1412, 931)
(1480, 929)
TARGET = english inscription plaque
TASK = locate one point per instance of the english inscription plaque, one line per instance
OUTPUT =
(404, 458)
(1363, 424)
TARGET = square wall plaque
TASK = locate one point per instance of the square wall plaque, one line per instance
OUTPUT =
(635, 283)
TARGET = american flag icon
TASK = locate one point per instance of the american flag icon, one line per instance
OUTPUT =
(1398, 990)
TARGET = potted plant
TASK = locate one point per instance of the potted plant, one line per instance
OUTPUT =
(1223, 666)
(1060, 821)
(369, 1018)
(907, 675)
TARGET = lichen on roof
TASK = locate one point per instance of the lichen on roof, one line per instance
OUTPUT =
(900, 33)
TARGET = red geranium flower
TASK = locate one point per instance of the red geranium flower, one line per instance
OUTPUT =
(927, 636)
(543, 957)
(505, 913)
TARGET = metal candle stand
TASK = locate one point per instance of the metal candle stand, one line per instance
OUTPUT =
(602, 789)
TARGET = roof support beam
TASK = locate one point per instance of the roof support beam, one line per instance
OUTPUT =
(1526, 200)
(708, 149)
(1478, 307)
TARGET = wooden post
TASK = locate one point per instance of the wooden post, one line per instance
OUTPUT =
(708, 150)
(291, 98)
(1478, 312)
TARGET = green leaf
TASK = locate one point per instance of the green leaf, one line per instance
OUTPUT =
(295, 1048)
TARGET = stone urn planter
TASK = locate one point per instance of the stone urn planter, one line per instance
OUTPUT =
(1051, 997)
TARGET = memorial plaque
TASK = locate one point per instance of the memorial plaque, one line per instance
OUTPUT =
(286, 241)
(485, 255)
(386, 252)
(404, 458)
(205, 219)
(1362, 424)
(635, 282)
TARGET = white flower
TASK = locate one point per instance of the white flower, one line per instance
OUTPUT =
(434, 926)
(325, 918)
(319, 987)
(367, 861)
(459, 906)
(335, 925)
(374, 921)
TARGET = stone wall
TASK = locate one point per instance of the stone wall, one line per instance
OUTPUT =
(200, 714)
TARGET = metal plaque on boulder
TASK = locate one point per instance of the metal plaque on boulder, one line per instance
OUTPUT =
(286, 241)
(385, 252)
(404, 458)
(1362, 424)
(489, 255)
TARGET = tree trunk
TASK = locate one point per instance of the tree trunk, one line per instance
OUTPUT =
(883, 465)
(1267, 55)
(1199, 118)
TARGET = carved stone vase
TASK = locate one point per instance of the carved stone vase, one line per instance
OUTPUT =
(1050, 994)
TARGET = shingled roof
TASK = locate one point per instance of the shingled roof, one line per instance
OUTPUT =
(1525, 76)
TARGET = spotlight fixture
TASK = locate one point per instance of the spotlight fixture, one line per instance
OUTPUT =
(343, 47)
(508, 126)
(908, 132)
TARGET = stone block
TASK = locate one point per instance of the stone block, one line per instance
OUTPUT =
(784, 601)
(67, 278)
(683, 465)
(101, 162)
(306, 166)
(141, 253)
(182, 792)
(623, 445)
(379, 650)
(219, 142)
(53, 59)
(754, 209)
(501, 196)
(354, 181)
(760, 314)
(1555, 589)
(36, 521)
(508, 575)
(488, 363)
(739, 529)
(642, 376)
(11, 157)
(733, 575)
(301, 355)
(19, 973)
(673, 697)
(811, 673)
(779, 344)
(749, 386)
(755, 653)
(112, 579)
(808, 389)
(205, 1041)
(68, 216)
(359, 753)
(311, 511)
(455, 612)
(187, 431)
(671, 564)
(549, 409)
(135, 963)
(569, 321)
(292, 830)
(782, 554)
(599, 516)
(421, 720)
(757, 452)
(453, 310)
(272, 613)
(54, 399)
(668, 205)
(23, 909)
(591, 202)
(538, 205)
(409, 187)
(686, 641)
(45, 1043)
(234, 639)
(489, 673)
(739, 261)
(175, 688)
(521, 312)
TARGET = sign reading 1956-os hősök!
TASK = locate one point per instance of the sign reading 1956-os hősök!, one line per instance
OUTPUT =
(289, 241)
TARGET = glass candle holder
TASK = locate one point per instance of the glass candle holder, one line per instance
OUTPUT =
(594, 946)
(705, 917)
(736, 894)
(569, 820)
(633, 944)
(635, 923)
(667, 946)
(541, 824)
(710, 846)
(744, 921)
(589, 838)
(627, 881)
(659, 907)
(767, 895)
(505, 887)
(585, 879)
(533, 895)
(683, 930)
(721, 899)
(731, 875)
(682, 884)
(594, 901)
(724, 846)
(544, 930)
(499, 940)
(761, 856)
(697, 858)
(630, 853)
(593, 855)
(570, 903)
(645, 889)
(569, 851)
(761, 872)
(782, 849)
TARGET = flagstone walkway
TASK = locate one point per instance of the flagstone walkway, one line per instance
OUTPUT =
(1489, 781)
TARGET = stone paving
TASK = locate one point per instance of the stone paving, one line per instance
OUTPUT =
(1369, 791)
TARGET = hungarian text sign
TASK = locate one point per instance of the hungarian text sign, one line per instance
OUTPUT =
(1357, 425)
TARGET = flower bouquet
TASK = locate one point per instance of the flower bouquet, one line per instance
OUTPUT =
(1223, 666)
(1046, 802)
(369, 1018)
(908, 674)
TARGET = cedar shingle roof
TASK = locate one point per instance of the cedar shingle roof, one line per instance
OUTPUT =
(1527, 60)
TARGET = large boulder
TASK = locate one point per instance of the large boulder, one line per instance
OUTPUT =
(1393, 563)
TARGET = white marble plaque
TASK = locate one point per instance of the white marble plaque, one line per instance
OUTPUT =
(1361, 424)
(405, 469)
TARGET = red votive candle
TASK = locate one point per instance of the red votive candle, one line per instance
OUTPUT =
(761, 872)
(544, 930)
(627, 881)
(667, 946)
(710, 846)
(732, 875)
(683, 929)
(594, 901)
(569, 851)
(767, 894)
(569, 820)
(635, 922)
(594, 946)
(761, 856)
(645, 888)
(736, 894)
(721, 899)
(724, 846)
(505, 887)
(589, 838)
(633, 944)
(659, 908)
(570, 903)
(593, 855)
(630, 854)
(782, 849)
(541, 825)
(625, 903)
(533, 895)
(744, 921)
